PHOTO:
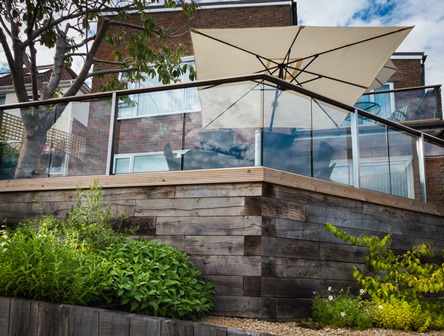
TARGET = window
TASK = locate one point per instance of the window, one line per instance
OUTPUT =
(383, 104)
(139, 163)
(160, 103)
(395, 178)
(2, 100)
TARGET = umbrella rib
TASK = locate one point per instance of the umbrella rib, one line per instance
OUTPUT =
(287, 57)
(319, 76)
(234, 103)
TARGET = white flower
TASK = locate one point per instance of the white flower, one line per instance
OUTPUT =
(330, 297)
(342, 314)
(361, 292)
(381, 307)
(329, 288)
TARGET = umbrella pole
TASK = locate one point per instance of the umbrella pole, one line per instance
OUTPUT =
(273, 112)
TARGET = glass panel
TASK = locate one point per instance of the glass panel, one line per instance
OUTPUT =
(404, 167)
(374, 158)
(331, 144)
(223, 135)
(147, 163)
(402, 105)
(285, 141)
(161, 102)
(146, 140)
(61, 150)
(122, 165)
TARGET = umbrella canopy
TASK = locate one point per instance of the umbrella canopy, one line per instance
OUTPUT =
(340, 63)
(387, 71)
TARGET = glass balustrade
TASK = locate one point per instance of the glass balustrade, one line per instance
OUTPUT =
(241, 122)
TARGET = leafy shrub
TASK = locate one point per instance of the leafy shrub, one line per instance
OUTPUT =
(37, 264)
(404, 290)
(341, 310)
(81, 260)
(404, 276)
(155, 279)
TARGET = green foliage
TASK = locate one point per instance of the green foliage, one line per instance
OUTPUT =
(404, 276)
(341, 310)
(403, 290)
(37, 264)
(81, 260)
(155, 279)
(8, 160)
(399, 314)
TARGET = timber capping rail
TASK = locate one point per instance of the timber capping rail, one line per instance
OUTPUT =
(217, 176)
(36, 318)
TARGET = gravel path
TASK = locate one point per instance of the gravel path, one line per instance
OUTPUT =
(292, 328)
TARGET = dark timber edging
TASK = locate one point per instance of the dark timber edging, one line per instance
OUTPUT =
(19, 317)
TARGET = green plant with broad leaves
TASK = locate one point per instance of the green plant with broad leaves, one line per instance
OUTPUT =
(155, 279)
(82, 260)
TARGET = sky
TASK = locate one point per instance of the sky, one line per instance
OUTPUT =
(427, 17)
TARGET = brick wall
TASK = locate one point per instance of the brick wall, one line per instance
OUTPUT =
(409, 73)
(179, 24)
(238, 17)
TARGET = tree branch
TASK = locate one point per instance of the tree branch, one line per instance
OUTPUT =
(109, 72)
(83, 74)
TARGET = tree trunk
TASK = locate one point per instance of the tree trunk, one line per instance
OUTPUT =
(28, 164)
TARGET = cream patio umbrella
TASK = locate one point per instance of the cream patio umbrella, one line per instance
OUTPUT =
(340, 63)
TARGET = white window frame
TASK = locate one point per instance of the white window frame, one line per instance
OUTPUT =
(406, 161)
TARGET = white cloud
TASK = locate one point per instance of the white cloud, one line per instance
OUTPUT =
(427, 17)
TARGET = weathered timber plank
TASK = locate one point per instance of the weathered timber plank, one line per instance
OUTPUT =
(5, 304)
(217, 206)
(291, 248)
(286, 228)
(213, 226)
(218, 176)
(221, 190)
(299, 288)
(331, 188)
(175, 328)
(342, 252)
(252, 286)
(313, 269)
(145, 325)
(269, 207)
(305, 197)
(83, 321)
(113, 323)
(177, 242)
(214, 245)
(141, 226)
(23, 318)
(252, 245)
(51, 319)
(243, 306)
(213, 176)
(201, 329)
(228, 265)
(227, 284)
(288, 308)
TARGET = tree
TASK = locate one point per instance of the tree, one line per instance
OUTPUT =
(76, 28)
